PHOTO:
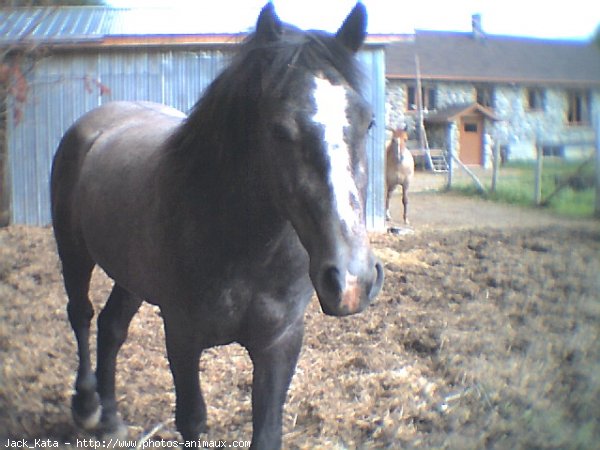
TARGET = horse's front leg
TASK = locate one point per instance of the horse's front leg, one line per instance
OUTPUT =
(388, 195)
(405, 202)
(184, 356)
(274, 367)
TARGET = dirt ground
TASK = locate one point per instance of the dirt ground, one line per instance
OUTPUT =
(486, 335)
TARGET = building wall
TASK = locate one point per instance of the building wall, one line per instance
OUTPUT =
(521, 128)
(449, 94)
(65, 85)
(518, 130)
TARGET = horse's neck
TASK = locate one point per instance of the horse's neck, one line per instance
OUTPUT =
(398, 149)
(402, 147)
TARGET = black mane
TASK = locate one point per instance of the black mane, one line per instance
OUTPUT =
(221, 124)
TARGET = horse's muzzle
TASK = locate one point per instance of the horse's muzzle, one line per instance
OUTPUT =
(342, 293)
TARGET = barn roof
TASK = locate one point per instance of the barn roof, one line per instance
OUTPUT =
(105, 25)
(491, 58)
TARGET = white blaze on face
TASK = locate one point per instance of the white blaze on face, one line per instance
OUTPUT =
(331, 103)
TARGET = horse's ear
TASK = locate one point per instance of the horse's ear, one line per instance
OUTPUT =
(268, 25)
(353, 31)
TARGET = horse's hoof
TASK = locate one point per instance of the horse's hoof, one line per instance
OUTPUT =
(192, 433)
(86, 412)
(113, 429)
(195, 433)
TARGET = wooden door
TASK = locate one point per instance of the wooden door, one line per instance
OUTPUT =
(471, 140)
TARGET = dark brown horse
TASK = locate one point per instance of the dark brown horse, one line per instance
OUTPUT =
(399, 170)
(227, 219)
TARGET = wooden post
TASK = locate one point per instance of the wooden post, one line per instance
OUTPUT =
(537, 196)
(420, 103)
(496, 166)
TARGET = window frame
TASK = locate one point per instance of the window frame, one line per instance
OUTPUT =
(428, 94)
(485, 95)
(579, 104)
(535, 99)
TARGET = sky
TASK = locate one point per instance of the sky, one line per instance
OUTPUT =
(574, 19)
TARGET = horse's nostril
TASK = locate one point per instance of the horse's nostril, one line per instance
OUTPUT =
(376, 287)
(331, 280)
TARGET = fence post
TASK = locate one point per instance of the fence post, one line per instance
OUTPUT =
(537, 196)
(450, 169)
(450, 135)
(496, 166)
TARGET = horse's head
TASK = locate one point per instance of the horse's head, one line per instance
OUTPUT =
(400, 135)
(314, 130)
(398, 143)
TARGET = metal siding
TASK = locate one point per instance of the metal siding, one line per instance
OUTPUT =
(66, 85)
(54, 24)
(373, 61)
(76, 24)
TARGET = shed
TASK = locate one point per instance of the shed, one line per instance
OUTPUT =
(468, 121)
(87, 56)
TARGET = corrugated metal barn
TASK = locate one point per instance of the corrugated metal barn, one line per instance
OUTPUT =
(87, 56)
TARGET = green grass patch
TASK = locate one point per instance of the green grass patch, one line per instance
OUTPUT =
(516, 185)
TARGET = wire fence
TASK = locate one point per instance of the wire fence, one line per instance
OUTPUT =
(459, 171)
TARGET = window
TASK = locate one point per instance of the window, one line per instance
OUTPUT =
(578, 112)
(485, 96)
(553, 150)
(471, 127)
(535, 99)
(428, 96)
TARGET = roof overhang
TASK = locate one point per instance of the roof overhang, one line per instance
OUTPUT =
(495, 80)
(157, 40)
(455, 112)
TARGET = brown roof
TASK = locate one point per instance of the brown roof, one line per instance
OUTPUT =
(455, 111)
(461, 56)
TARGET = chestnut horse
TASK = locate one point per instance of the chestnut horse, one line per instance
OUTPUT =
(399, 170)
(227, 220)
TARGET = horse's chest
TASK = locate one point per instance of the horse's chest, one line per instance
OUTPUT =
(248, 307)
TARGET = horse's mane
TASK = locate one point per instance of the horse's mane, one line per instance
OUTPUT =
(220, 127)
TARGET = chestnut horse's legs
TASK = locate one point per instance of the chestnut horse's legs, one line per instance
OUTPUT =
(388, 196)
(77, 272)
(273, 370)
(113, 324)
(405, 201)
(184, 356)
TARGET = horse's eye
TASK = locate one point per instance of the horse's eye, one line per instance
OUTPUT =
(284, 131)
